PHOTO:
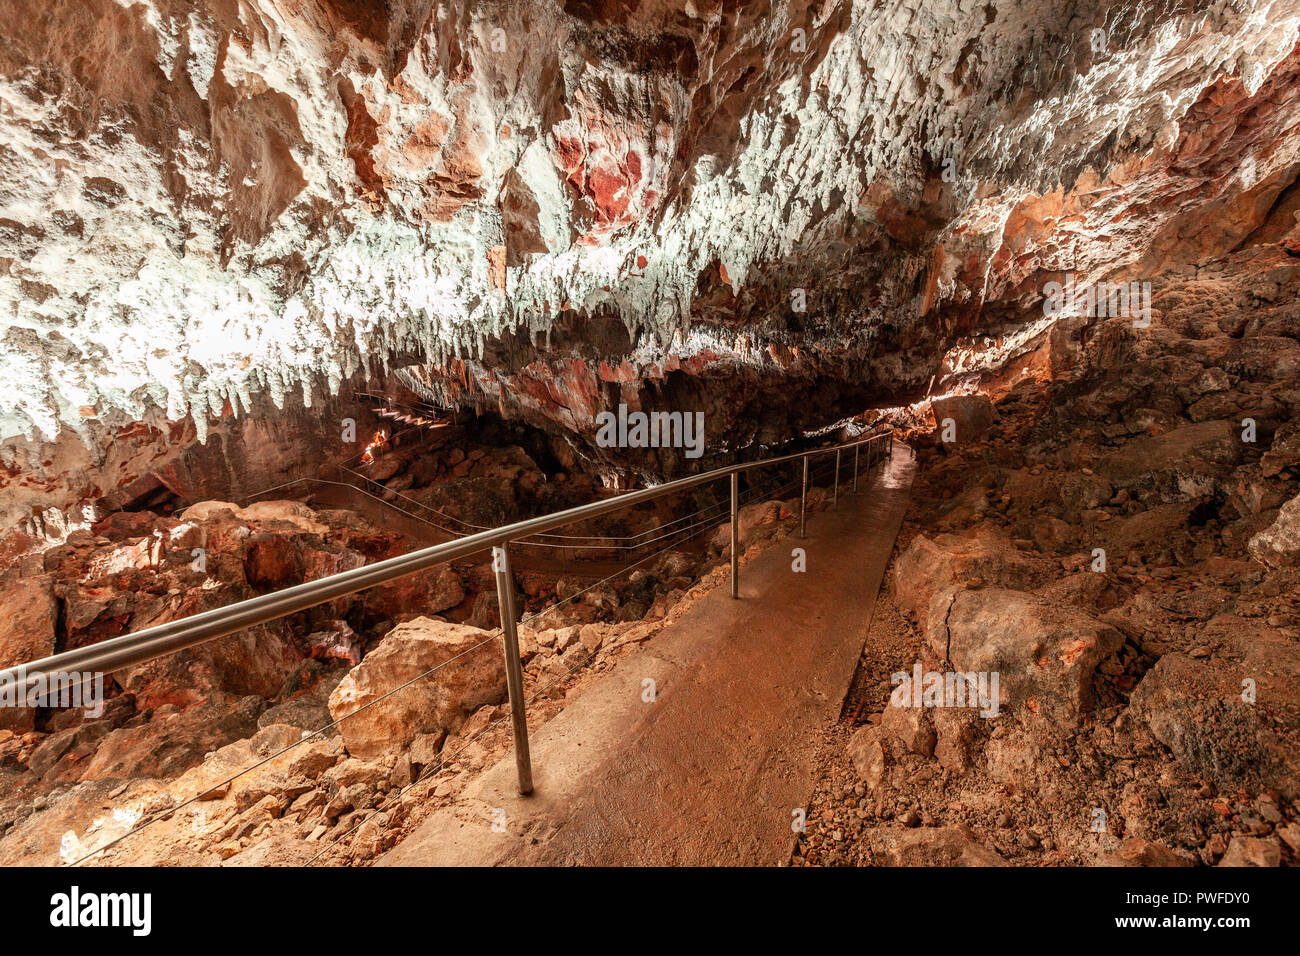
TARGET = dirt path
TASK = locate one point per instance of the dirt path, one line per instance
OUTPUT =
(713, 769)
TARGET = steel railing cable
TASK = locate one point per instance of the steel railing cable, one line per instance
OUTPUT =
(163, 815)
(340, 464)
(163, 639)
(755, 493)
(171, 811)
(521, 541)
(719, 506)
(477, 527)
(456, 534)
(571, 669)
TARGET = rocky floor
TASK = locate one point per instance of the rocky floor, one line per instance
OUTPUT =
(324, 736)
(1110, 526)
(1120, 544)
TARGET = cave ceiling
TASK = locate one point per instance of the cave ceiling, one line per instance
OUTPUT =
(209, 206)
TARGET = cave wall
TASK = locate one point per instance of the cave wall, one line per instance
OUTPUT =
(205, 206)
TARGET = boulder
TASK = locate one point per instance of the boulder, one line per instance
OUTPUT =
(471, 672)
(1081, 492)
(121, 525)
(275, 850)
(565, 637)
(753, 521)
(1146, 535)
(307, 712)
(1180, 464)
(429, 592)
(867, 756)
(184, 537)
(254, 662)
(314, 757)
(1045, 655)
(69, 748)
(274, 561)
(910, 727)
(1197, 711)
(352, 772)
(972, 415)
(1278, 545)
(592, 636)
(1136, 851)
(1284, 452)
(937, 846)
(170, 743)
(1252, 851)
(334, 642)
(956, 735)
(208, 510)
(293, 514)
(931, 564)
(426, 750)
(1052, 534)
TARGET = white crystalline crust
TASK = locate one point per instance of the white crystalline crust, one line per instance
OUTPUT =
(142, 277)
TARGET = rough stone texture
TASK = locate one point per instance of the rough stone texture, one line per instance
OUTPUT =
(473, 675)
(1199, 714)
(1045, 655)
(867, 756)
(1279, 543)
(28, 616)
(1250, 851)
(1136, 851)
(971, 415)
(911, 728)
(169, 743)
(929, 565)
(554, 205)
(939, 846)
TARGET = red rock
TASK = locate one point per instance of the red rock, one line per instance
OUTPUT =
(471, 673)
(1045, 655)
(972, 415)
(29, 614)
(929, 565)
(274, 561)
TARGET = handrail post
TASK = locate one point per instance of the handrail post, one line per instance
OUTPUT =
(856, 449)
(735, 534)
(803, 502)
(514, 671)
(159, 640)
(835, 495)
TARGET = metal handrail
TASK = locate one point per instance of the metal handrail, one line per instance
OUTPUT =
(152, 643)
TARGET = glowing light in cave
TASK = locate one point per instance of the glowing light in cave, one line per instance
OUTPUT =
(380, 440)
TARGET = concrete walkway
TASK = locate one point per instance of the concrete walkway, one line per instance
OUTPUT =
(711, 771)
